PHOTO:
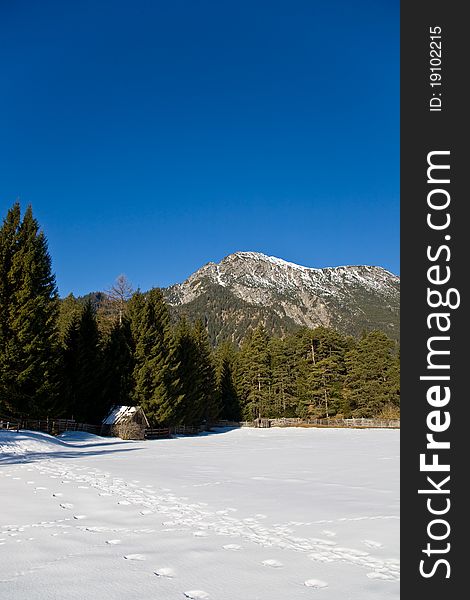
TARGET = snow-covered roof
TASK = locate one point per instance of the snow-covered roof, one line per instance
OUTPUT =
(121, 413)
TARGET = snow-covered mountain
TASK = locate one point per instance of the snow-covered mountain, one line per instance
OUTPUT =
(248, 287)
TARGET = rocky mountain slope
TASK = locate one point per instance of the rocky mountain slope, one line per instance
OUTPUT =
(246, 288)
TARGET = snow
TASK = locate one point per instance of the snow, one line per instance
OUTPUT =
(118, 413)
(254, 277)
(244, 513)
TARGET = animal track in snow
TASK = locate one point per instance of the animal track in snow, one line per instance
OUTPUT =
(271, 562)
(113, 542)
(196, 595)
(329, 533)
(372, 544)
(66, 505)
(134, 557)
(200, 520)
(315, 583)
(165, 572)
(379, 575)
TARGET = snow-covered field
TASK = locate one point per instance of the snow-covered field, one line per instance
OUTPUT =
(279, 514)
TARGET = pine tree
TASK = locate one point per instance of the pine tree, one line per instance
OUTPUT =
(372, 381)
(28, 324)
(191, 407)
(155, 374)
(118, 365)
(69, 308)
(255, 374)
(284, 377)
(83, 368)
(70, 375)
(196, 373)
(227, 391)
(208, 384)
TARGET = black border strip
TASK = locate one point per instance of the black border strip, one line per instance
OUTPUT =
(424, 131)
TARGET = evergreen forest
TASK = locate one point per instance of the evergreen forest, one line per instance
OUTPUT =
(69, 358)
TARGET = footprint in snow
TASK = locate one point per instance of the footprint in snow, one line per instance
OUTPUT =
(372, 544)
(66, 505)
(315, 583)
(113, 542)
(79, 517)
(124, 502)
(57, 494)
(273, 563)
(196, 595)
(146, 511)
(376, 575)
(135, 557)
(165, 572)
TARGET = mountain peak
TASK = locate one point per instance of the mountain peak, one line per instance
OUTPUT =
(259, 256)
(350, 298)
(279, 262)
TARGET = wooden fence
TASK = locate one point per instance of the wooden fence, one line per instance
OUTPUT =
(157, 434)
(188, 429)
(360, 423)
(51, 426)
(57, 426)
(10, 424)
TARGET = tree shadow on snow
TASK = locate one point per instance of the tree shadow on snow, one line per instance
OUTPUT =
(9, 458)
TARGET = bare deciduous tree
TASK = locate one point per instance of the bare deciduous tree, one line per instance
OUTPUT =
(120, 293)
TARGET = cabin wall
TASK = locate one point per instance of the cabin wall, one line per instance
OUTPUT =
(129, 430)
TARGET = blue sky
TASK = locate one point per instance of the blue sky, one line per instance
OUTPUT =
(152, 137)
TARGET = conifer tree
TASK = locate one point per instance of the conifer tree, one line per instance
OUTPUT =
(284, 377)
(191, 407)
(207, 377)
(155, 374)
(255, 374)
(69, 308)
(227, 391)
(83, 368)
(28, 323)
(118, 365)
(70, 351)
(372, 380)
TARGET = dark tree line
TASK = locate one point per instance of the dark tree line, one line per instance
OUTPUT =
(318, 373)
(76, 357)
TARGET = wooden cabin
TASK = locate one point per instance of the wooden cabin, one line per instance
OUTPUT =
(126, 422)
